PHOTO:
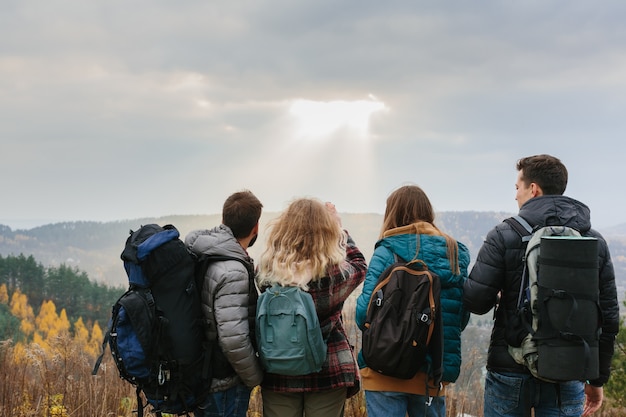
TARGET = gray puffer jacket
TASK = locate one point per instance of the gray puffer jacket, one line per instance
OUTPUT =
(495, 278)
(228, 304)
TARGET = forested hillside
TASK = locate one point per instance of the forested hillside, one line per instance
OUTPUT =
(95, 247)
(52, 313)
(30, 285)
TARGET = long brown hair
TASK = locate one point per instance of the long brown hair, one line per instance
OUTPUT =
(408, 205)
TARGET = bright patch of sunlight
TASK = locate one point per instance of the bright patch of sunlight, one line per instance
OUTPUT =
(316, 119)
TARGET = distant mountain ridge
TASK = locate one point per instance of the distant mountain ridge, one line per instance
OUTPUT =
(95, 247)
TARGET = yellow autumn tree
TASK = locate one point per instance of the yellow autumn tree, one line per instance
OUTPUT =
(95, 342)
(22, 310)
(49, 324)
(63, 324)
(4, 294)
(40, 341)
(45, 322)
(81, 335)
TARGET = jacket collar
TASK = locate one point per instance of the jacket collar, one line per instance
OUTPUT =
(420, 228)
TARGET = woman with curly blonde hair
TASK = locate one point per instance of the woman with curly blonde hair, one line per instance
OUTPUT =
(307, 247)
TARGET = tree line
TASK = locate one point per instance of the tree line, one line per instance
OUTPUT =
(42, 309)
(65, 287)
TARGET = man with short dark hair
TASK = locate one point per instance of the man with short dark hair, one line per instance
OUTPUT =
(229, 299)
(510, 389)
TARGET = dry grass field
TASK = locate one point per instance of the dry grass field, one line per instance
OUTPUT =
(56, 381)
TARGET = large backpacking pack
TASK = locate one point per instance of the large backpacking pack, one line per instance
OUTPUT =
(155, 332)
(556, 329)
(289, 336)
(403, 325)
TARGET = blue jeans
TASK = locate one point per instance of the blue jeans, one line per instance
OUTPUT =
(230, 403)
(398, 404)
(513, 395)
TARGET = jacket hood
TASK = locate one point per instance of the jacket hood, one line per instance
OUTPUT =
(217, 241)
(432, 249)
(553, 210)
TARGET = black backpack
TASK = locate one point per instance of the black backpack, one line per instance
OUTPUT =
(403, 323)
(155, 333)
(555, 331)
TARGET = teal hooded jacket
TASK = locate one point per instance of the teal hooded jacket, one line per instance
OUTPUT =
(433, 251)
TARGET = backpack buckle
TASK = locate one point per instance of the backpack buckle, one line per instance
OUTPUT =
(379, 299)
(150, 298)
(163, 375)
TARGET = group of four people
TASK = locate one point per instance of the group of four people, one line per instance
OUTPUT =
(308, 247)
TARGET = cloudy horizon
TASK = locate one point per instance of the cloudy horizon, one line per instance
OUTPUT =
(119, 110)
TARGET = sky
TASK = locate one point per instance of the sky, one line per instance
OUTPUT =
(115, 110)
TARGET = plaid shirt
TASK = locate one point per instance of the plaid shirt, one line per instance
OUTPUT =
(329, 293)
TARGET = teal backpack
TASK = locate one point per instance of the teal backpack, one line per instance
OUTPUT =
(288, 332)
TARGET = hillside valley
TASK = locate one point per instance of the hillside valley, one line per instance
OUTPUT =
(95, 247)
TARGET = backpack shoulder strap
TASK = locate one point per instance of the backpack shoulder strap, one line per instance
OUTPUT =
(531, 237)
(205, 260)
(521, 226)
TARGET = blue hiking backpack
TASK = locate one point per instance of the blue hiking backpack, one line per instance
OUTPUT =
(155, 332)
(289, 336)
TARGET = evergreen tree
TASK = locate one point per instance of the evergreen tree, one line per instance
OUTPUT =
(24, 274)
(9, 324)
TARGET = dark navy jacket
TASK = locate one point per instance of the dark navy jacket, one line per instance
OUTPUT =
(495, 277)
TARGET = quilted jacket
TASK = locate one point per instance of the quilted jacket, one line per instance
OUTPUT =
(432, 249)
(495, 277)
(229, 299)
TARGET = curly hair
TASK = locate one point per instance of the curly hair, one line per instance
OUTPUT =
(303, 243)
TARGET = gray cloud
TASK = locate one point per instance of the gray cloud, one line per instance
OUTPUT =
(112, 110)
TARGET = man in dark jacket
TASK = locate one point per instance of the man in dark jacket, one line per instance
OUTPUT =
(510, 389)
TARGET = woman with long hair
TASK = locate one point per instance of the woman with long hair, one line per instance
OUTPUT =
(307, 247)
(409, 232)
